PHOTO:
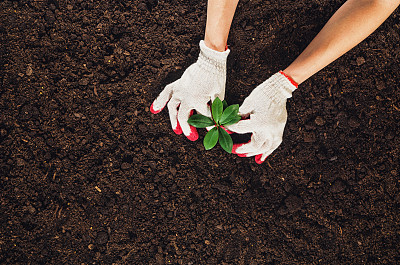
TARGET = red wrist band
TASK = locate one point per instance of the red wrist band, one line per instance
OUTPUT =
(290, 79)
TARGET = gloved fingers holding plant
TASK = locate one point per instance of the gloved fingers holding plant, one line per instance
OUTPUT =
(263, 142)
(265, 109)
(222, 115)
(201, 83)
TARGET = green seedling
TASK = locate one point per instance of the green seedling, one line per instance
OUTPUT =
(222, 115)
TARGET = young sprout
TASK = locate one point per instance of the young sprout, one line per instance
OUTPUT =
(222, 115)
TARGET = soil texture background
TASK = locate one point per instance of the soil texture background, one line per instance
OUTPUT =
(89, 176)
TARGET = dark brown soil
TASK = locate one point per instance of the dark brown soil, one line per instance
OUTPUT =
(90, 176)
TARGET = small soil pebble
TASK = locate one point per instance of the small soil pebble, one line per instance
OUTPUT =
(125, 165)
(338, 186)
(102, 237)
(29, 70)
(293, 203)
(319, 121)
(360, 61)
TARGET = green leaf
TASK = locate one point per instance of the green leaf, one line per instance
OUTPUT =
(211, 138)
(225, 140)
(229, 113)
(224, 104)
(235, 119)
(217, 109)
(200, 121)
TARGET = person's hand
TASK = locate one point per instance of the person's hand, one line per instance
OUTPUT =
(201, 83)
(266, 109)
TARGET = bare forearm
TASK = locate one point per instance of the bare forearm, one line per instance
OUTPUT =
(219, 19)
(351, 24)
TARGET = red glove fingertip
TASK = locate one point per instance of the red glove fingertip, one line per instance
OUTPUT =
(236, 146)
(258, 159)
(153, 110)
(194, 135)
(178, 129)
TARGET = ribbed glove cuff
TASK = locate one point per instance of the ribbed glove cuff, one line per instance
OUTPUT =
(211, 60)
(278, 87)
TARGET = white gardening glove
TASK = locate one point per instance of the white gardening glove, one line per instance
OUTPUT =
(201, 83)
(266, 106)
